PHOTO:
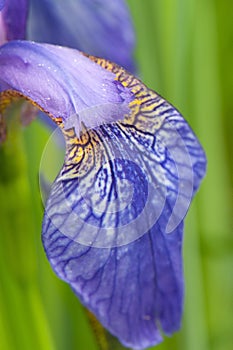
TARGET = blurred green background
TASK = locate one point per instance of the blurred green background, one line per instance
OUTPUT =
(184, 52)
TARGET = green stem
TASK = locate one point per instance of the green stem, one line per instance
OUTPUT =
(105, 340)
(195, 316)
(22, 312)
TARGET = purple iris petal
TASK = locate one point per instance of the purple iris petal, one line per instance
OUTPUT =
(102, 28)
(13, 18)
(63, 82)
(113, 222)
(2, 4)
(133, 290)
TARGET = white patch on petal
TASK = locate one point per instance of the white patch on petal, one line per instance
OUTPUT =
(3, 38)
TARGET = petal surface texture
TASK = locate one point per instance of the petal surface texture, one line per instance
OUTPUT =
(13, 16)
(63, 82)
(113, 222)
(102, 28)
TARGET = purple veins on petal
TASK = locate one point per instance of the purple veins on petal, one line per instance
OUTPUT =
(128, 288)
(110, 209)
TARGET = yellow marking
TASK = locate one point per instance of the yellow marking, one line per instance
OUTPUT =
(79, 155)
(135, 102)
(72, 152)
(87, 151)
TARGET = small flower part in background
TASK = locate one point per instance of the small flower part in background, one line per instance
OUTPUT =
(102, 28)
(2, 3)
(13, 16)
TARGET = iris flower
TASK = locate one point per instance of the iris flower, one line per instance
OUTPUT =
(113, 222)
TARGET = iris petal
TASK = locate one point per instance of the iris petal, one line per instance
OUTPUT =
(101, 28)
(113, 222)
(105, 228)
(2, 4)
(133, 290)
(63, 82)
(13, 18)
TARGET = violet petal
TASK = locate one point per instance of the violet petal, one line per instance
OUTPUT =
(63, 82)
(101, 28)
(13, 16)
